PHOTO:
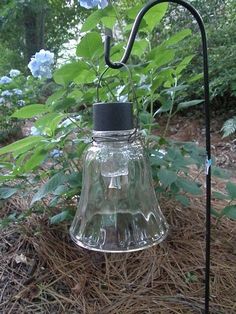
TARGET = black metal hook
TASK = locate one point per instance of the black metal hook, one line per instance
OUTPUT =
(124, 59)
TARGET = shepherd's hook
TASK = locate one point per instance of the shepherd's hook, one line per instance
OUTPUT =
(124, 59)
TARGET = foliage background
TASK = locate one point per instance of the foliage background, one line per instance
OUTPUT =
(47, 163)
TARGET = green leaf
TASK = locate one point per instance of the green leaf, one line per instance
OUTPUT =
(174, 189)
(183, 64)
(154, 16)
(132, 13)
(60, 190)
(68, 72)
(106, 16)
(229, 127)
(90, 46)
(108, 21)
(116, 53)
(161, 77)
(6, 221)
(35, 160)
(77, 94)
(55, 121)
(165, 107)
(85, 77)
(75, 180)
(49, 187)
(63, 216)
(167, 177)
(92, 21)
(139, 47)
(57, 95)
(30, 111)
(190, 103)
(145, 118)
(64, 104)
(220, 196)
(7, 178)
(231, 189)
(26, 143)
(22, 152)
(80, 149)
(54, 201)
(177, 37)
(220, 173)
(177, 159)
(7, 192)
(189, 186)
(183, 200)
(195, 78)
(160, 57)
(191, 277)
(6, 165)
(157, 158)
(49, 121)
(230, 211)
(43, 122)
(197, 153)
(215, 213)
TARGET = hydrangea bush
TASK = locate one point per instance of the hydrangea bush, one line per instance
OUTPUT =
(9, 98)
(16, 91)
(62, 124)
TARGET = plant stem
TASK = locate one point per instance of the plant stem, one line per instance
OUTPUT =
(168, 120)
(151, 110)
(171, 109)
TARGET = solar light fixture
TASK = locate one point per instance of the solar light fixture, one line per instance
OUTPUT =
(118, 209)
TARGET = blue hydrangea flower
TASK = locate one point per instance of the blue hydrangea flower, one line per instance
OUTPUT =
(5, 80)
(21, 103)
(41, 64)
(44, 57)
(17, 91)
(2, 100)
(14, 73)
(6, 93)
(89, 4)
(34, 67)
(56, 153)
(34, 131)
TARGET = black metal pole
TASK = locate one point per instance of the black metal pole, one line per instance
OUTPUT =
(124, 59)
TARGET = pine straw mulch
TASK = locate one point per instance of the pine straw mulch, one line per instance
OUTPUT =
(42, 271)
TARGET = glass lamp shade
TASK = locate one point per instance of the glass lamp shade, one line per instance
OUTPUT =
(118, 210)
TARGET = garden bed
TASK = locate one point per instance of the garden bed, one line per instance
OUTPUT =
(43, 272)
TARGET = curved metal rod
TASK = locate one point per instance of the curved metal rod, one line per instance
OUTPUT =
(117, 65)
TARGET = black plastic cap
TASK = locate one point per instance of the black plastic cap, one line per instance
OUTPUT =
(113, 116)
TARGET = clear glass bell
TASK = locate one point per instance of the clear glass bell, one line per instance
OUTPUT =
(118, 210)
